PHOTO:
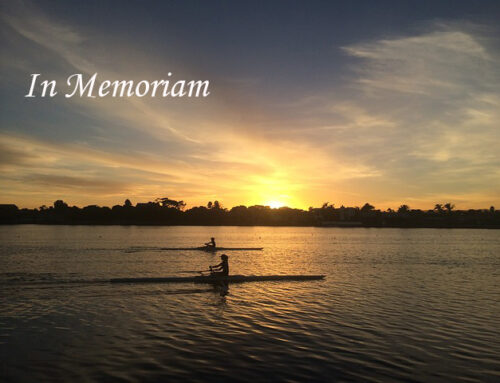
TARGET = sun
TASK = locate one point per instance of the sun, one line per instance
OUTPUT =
(275, 204)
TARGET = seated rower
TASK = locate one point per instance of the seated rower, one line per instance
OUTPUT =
(211, 243)
(222, 269)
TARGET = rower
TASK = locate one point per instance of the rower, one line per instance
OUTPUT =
(211, 243)
(222, 269)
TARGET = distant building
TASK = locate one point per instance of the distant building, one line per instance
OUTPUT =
(8, 207)
(347, 213)
(8, 212)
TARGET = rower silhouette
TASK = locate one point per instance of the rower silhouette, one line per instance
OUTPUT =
(211, 243)
(221, 270)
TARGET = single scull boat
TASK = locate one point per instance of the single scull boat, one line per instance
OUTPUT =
(210, 249)
(217, 280)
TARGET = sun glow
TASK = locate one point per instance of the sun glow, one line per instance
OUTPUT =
(275, 204)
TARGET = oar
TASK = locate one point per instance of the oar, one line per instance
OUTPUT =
(194, 271)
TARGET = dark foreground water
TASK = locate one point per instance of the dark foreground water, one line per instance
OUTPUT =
(397, 305)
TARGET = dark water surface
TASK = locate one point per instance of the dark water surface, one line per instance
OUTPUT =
(397, 305)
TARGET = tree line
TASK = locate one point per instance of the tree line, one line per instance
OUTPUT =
(166, 211)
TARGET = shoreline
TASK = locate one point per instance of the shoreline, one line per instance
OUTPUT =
(485, 227)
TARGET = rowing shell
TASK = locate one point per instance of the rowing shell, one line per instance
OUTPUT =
(207, 248)
(211, 279)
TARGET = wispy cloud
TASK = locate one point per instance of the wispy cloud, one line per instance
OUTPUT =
(432, 64)
(420, 110)
(80, 54)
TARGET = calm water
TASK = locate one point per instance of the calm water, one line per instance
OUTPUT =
(397, 305)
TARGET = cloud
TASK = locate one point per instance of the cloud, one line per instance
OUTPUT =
(417, 118)
(75, 53)
(73, 184)
(433, 64)
(421, 110)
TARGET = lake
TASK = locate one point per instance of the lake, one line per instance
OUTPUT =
(412, 305)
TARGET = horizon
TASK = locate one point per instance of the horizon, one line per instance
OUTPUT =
(188, 206)
(393, 103)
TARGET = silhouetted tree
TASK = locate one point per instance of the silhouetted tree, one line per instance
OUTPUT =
(403, 209)
(367, 207)
(60, 204)
(166, 211)
(449, 207)
(167, 202)
(438, 208)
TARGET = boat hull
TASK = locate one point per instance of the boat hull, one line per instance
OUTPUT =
(214, 249)
(217, 280)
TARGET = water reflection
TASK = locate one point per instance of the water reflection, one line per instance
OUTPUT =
(418, 305)
(187, 291)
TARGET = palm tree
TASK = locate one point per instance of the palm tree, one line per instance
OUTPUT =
(438, 208)
(449, 207)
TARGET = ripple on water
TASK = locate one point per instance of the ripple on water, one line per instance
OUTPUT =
(397, 305)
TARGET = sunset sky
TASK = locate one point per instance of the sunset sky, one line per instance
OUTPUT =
(387, 102)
